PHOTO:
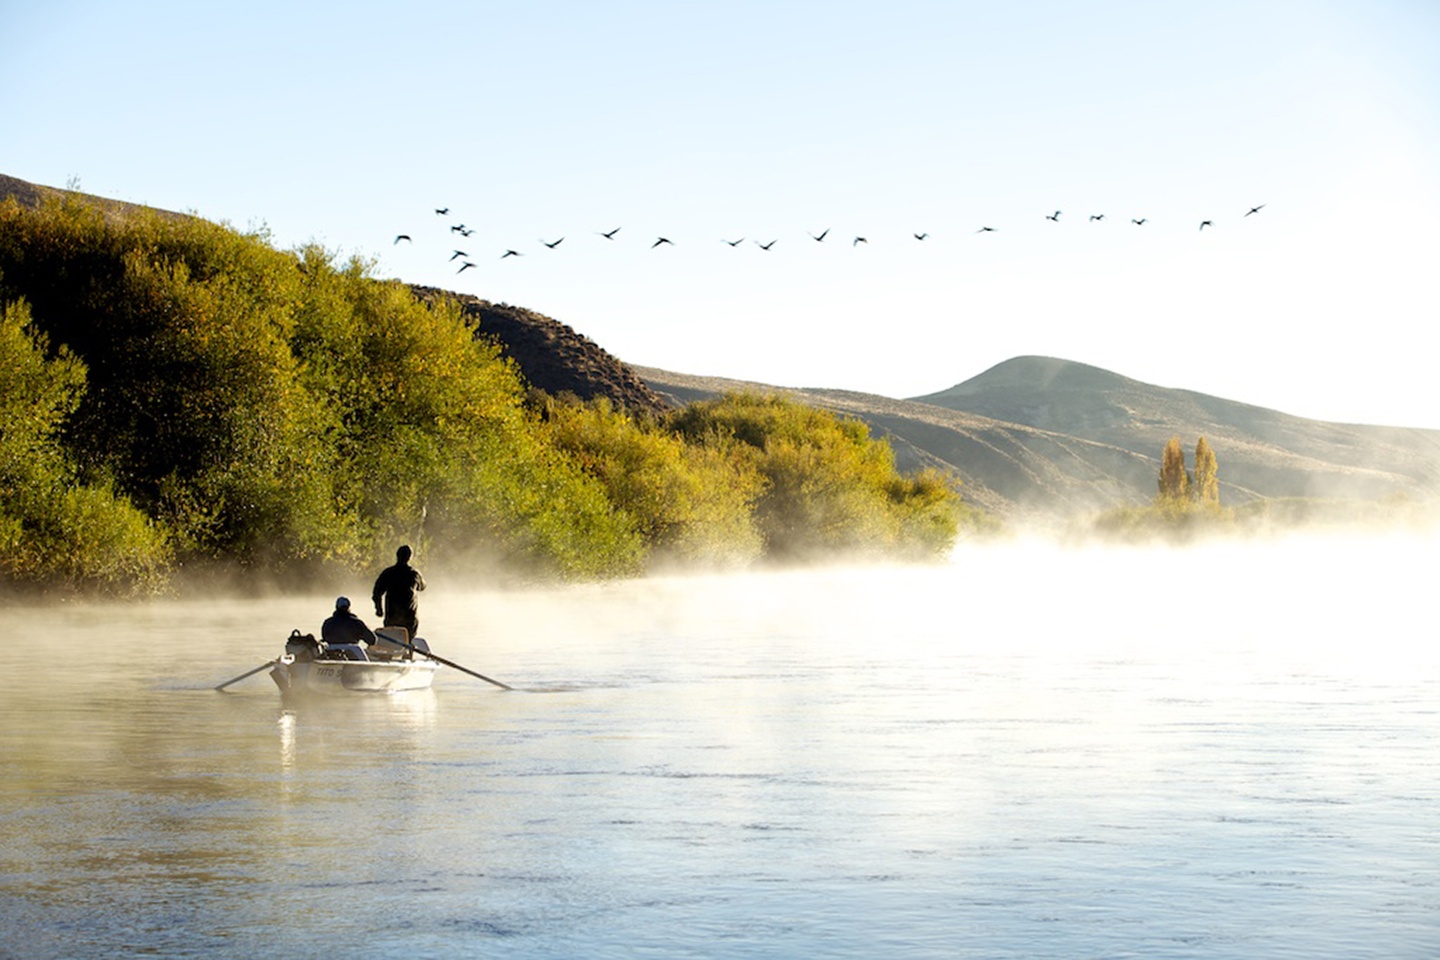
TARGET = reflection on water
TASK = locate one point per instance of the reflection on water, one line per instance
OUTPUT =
(1225, 752)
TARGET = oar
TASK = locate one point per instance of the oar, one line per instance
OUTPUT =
(246, 674)
(450, 663)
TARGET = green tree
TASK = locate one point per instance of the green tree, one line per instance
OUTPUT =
(829, 489)
(54, 529)
(437, 446)
(690, 503)
(194, 410)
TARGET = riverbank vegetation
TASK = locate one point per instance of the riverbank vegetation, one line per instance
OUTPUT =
(181, 396)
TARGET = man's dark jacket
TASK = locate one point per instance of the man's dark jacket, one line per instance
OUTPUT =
(345, 627)
(398, 584)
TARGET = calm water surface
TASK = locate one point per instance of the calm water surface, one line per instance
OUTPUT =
(1029, 753)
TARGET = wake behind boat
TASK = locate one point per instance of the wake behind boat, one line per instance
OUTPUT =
(392, 664)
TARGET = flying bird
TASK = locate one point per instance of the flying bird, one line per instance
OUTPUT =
(441, 211)
(611, 234)
(1140, 222)
(734, 243)
(1254, 210)
(765, 246)
(821, 236)
(986, 230)
(1205, 223)
(919, 236)
(511, 253)
(552, 246)
(458, 253)
(466, 265)
(1097, 216)
(658, 241)
(857, 241)
(466, 231)
(1053, 216)
(402, 236)
(457, 228)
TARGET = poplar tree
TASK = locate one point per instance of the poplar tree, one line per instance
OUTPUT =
(1207, 487)
(1174, 483)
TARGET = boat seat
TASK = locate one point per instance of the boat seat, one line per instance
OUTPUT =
(390, 643)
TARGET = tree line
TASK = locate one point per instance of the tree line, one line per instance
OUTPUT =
(180, 395)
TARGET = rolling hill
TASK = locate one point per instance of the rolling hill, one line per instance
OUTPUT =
(1264, 453)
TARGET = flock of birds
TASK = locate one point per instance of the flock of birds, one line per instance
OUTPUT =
(461, 230)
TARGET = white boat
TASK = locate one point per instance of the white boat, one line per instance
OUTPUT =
(391, 665)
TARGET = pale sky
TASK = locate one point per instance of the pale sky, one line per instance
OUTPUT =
(347, 124)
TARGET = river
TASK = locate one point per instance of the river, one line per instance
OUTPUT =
(1221, 752)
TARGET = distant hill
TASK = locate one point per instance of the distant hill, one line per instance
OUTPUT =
(1262, 453)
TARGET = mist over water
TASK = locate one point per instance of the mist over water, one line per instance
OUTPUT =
(1030, 752)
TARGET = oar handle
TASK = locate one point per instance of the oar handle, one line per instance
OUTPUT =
(247, 673)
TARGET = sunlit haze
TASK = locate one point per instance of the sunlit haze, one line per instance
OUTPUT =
(707, 123)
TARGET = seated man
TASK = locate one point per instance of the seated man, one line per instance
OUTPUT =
(343, 627)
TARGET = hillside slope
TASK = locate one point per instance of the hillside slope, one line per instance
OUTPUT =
(553, 357)
(1269, 453)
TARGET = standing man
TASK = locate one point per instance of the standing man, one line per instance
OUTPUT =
(398, 585)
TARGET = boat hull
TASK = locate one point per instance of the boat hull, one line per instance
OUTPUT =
(353, 676)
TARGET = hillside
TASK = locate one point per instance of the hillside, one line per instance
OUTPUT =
(553, 357)
(1032, 436)
(1263, 453)
(184, 398)
(33, 194)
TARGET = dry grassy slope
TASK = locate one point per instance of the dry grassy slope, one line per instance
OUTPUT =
(33, 194)
(1270, 453)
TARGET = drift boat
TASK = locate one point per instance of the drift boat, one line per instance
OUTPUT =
(391, 665)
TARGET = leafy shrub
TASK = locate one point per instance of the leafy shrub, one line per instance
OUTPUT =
(55, 530)
(691, 504)
(828, 489)
(193, 406)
